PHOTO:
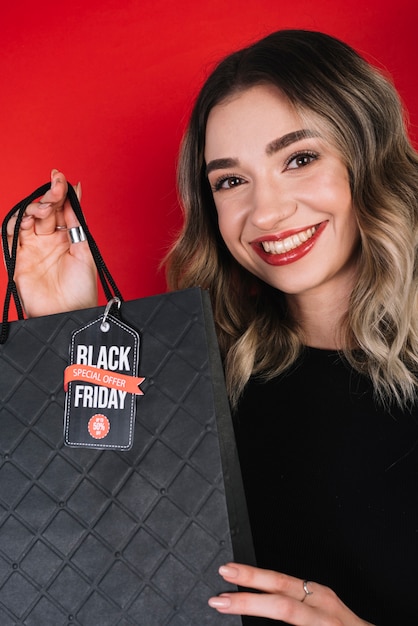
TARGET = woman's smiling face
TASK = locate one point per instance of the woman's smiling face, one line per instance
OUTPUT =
(282, 193)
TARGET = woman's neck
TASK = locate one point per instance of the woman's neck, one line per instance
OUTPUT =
(320, 317)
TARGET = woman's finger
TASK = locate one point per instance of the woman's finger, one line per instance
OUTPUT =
(51, 204)
(27, 223)
(265, 580)
(281, 597)
(78, 244)
(64, 215)
(58, 191)
(273, 606)
(43, 216)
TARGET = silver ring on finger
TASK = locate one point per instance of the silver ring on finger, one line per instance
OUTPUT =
(306, 589)
(77, 234)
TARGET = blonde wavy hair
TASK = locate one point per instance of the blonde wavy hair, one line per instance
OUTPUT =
(323, 76)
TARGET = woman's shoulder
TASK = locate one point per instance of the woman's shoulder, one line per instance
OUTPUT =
(321, 382)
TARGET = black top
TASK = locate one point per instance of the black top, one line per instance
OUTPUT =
(332, 486)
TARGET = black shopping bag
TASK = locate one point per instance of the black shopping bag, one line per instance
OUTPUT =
(94, 537)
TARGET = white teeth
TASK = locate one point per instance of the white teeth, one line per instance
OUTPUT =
(290, 243)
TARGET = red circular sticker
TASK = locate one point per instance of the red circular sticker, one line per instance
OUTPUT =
(99, 426)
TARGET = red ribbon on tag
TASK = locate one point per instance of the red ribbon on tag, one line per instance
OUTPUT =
(102, 378)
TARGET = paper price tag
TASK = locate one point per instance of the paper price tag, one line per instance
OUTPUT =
(102, 385)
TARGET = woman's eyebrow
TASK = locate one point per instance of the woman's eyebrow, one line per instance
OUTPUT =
(282, 142)
(271, 148)
(219, 164)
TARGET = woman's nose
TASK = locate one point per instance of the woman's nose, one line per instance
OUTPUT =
(272, 205)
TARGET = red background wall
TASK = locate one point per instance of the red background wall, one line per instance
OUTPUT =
(102, 89)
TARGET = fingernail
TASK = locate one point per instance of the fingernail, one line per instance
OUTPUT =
(220, 602)
(55, 179)
(44, 205)
(227, 570)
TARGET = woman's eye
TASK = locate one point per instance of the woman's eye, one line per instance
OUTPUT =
(227, 182)
(301, 160)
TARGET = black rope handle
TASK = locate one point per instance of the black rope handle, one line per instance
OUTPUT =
(108, 284)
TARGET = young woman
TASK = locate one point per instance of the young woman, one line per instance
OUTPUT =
(300, 193)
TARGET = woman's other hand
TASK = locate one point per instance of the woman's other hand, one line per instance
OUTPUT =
(52, 274)
(282, 597)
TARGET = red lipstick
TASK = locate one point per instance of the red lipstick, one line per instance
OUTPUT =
(290, 256)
